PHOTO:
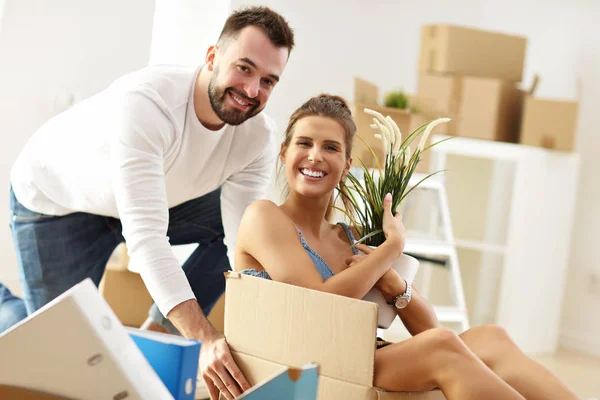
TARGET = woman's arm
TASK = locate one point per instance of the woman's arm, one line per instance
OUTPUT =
(418, 315)
(267, 235)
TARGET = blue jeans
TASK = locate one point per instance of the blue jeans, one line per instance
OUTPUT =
(12, 309)
(55, 253)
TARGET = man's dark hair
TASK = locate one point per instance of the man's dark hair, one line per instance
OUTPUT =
(273, 24)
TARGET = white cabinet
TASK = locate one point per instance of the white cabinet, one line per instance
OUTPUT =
(525, 240)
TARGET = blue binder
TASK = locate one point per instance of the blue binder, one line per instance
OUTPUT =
(174, 359)
(290, 384)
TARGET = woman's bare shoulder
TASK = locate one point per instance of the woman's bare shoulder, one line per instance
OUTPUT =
(260, 210)
(263, 217)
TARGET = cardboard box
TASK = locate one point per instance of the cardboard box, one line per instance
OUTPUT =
(271, 325)
(119, 259)
(366, 95)
(468, 51)
(127, 295)
(481, 108)
(550, 124)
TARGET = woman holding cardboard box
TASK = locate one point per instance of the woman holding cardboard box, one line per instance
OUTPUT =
(296, 244)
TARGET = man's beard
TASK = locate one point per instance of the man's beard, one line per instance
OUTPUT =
(229, 114)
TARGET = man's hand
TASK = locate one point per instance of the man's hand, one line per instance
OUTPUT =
(219, 371)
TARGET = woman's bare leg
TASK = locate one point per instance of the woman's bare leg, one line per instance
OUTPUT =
(438, 358)
(494, 347)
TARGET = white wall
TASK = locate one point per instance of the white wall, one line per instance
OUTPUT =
(184, 29)
(50, 50)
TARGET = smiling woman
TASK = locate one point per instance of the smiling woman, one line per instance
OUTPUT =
(321, 132)
(296, 244)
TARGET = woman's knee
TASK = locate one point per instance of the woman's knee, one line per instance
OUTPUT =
(444, 339)
(490, 343)
(490, 334)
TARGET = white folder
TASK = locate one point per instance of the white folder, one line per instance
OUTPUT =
(75, 347)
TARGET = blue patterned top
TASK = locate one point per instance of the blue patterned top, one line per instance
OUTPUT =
(320, 264)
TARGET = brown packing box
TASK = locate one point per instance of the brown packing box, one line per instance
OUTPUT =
(468, 51)
(483, 108)
(270, 325)
(365, 96)
(127, 295)
(549, 123)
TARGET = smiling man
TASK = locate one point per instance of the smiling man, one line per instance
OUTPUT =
(165, 155)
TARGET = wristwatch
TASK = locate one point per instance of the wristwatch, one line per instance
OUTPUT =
(401, 301)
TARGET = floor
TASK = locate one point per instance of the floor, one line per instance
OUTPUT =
(580, 372)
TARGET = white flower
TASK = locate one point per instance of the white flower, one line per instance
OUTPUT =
(428, 130)
(397, 135)
(389, 132)
(406, 156)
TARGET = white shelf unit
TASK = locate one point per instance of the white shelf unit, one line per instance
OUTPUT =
(528, 231)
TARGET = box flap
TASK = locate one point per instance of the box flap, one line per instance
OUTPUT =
(291, 383)
(293, 326)
(256, 370)
(365, 92)
(430, 395)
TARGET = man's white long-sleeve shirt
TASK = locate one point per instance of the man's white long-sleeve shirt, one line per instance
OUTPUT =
(137, 149)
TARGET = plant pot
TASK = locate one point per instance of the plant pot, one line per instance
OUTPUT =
(406, 267)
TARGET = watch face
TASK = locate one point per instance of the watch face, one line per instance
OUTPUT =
(401, 302)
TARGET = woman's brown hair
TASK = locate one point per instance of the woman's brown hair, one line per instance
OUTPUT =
(329, 106)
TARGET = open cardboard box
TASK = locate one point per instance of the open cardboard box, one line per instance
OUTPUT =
(271, 325)
(551, 124)
(366, 96)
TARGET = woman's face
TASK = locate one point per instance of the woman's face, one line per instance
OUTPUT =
(315, 159)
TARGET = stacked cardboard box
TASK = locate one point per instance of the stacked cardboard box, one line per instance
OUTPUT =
(365, 96)
(472, 75)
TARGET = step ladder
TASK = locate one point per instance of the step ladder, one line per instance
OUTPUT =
(440, 249)
(437, 247)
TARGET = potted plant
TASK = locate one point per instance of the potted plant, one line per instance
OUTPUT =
(399, 99)
(366, 189)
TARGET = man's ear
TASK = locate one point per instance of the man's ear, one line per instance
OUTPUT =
(211, 53)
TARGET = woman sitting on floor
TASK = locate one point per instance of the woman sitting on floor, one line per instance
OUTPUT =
(296, 244)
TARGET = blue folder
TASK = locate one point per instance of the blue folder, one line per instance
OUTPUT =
(174, 359)
(290, 384)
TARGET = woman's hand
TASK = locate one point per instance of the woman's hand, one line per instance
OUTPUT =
(393, 228)
(390, 284)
